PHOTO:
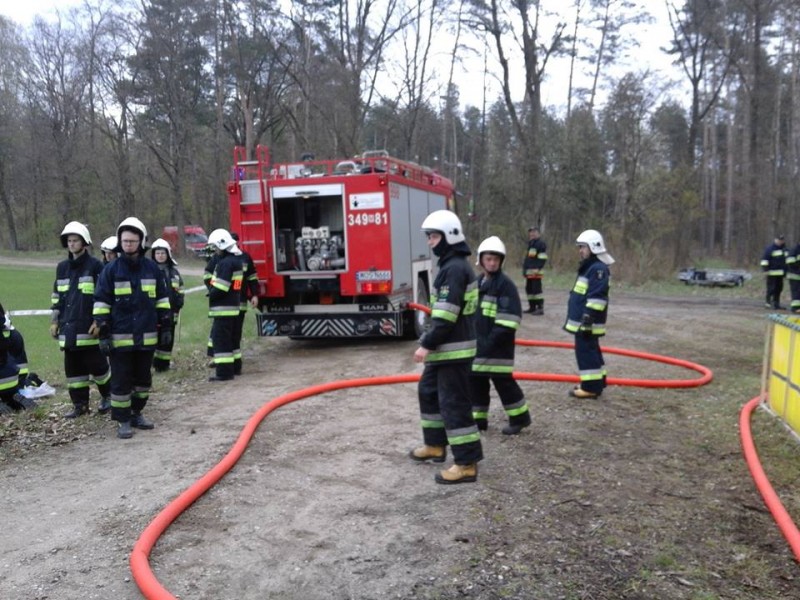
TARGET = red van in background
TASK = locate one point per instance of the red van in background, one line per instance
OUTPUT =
(196, 238)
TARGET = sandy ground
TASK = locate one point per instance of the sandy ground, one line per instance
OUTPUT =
(635, 496)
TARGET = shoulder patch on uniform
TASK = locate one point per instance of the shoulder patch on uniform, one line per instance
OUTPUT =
(601, 274)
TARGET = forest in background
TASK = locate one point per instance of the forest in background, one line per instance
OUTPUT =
(133, 108)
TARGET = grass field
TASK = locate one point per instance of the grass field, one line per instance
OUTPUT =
(29, 288)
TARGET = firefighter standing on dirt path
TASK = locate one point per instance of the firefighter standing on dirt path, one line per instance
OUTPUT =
(131, 308)
(161, 253)
(72, 324)
(773, 263)
(249, 295)
(224, 294)
(447, 350)
(793, 275)
(587, 310)
(535, 259)
(499, 316)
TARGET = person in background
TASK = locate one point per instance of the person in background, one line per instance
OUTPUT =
(535, 259)
(447, 350)
(131, 308)
(499, 316)
(72, 324)
(249, 295)
(161, 253)
(793, 275)
(587, 309)
(773, 263)
(109, 249)
(224, 295)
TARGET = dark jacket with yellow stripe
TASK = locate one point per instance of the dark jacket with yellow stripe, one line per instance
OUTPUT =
(535, 259)
(499, 316)
(773, 262)
(587, 307)
(225, 286)
(454, 300)
(130, 302)
(72, 300)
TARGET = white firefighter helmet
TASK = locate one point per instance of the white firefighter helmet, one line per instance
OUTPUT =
(447, 223)
(109, 244)
(133, 224)
(75, 228)
(491, 244)
(222, 239)
(597, 246)
(162, 244)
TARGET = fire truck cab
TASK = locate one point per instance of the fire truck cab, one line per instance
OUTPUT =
(337, 244)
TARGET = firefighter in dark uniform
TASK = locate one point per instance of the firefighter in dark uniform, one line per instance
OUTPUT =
(249, 295)
(447, 349)
(16, 348)
(109, 249)
(793, 275)
(131, 308)
(535, 258)
(587, 310)
(72, 324)
(9, 372)
(161, 253)
(499, 316)
(773, 263)
(224, 294)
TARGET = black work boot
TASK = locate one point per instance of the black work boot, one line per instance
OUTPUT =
(105, 405)
(77, 411)
(138, 421)
(124, 430)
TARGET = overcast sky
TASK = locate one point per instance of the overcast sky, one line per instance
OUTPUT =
(470, 80)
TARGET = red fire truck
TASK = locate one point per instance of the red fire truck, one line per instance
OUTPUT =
(337, 244)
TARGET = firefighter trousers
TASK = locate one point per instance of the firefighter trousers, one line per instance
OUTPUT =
(131, 381)
(81, 367)
(533, 289)
(446, 411)
(774, 289)
(223, 332)
(591, 366)
(794, 287)
(237, 343)
(511, 395)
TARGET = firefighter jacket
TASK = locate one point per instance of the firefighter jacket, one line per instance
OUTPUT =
(250, 280)
(496, 324)
(131, 302)
(9, 372)
(454, 300)
(793, 264)
(174, 283)
(535, 259)
(587, 306)
(773, 263)
(225, 286)
(72, 300)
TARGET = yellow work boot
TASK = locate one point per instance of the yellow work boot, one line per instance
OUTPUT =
(432, 453)
(458, 474)
(581, 393)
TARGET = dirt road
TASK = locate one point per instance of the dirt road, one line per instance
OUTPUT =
(641, 495)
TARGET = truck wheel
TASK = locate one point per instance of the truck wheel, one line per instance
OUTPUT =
(418, 321)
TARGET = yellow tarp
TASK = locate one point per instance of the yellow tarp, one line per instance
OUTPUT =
(783, 385)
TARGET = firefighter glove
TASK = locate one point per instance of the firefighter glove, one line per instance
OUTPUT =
(165, 337)
(54, 330)
(105, 346)
(586, 325)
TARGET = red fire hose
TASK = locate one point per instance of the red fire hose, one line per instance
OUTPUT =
(139, 560)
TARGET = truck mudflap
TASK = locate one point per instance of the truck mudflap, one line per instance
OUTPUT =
(342, 325)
